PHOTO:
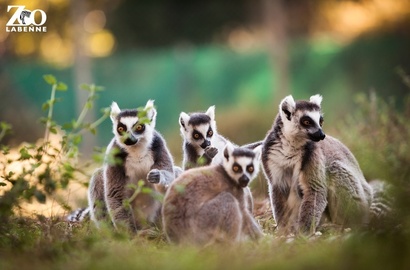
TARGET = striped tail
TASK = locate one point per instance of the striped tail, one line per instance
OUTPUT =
(79, 215)
(381, 206)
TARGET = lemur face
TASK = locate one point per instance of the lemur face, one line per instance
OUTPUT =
(198, 128)
(302, 120)
(241, 164)
(132, 127)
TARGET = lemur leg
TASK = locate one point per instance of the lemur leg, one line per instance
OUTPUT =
(250, 226)
(96, 200)
(115, 193)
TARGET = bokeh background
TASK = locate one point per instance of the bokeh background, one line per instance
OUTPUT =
(243, 56)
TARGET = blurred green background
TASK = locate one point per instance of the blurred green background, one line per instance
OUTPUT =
(242, 56)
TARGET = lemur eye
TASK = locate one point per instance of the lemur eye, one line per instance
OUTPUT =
(196, 136)
(210, 133)
(139, 128)
(235, 168)
(250, 169)
(306, 122)
(120, 129)
(321, 121)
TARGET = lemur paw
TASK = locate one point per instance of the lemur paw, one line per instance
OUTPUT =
(154, 176)
(211, 151)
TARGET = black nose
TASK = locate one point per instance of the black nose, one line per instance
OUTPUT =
(243, 181)
(131, 140)
(205, 144)
(317, 136)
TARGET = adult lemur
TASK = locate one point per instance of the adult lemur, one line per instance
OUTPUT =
(311, 175)
(213, 203)
(137, 152)
(202, 144)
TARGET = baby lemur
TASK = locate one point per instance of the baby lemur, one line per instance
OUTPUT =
(137, 152)
(202, 144)
(311, 175)
(213, 203)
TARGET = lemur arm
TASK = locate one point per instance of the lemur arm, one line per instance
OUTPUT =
(115, 191)
(162, 172)
(193, 160)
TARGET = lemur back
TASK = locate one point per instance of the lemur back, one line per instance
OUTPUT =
(137, 152)
(202, 144)
(309, 172)
(213, 203)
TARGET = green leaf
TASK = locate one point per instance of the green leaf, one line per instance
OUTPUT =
(44, 120)
(24, 154)
(40, 196)
(68, 125)
(132, 186)
(77, 139)
(88, 105)
(5, 125)
(85, 86)
(50, 79)
(146, 190)
(45, 106)
(61, 87)
(5, 149)
(99, 88)
(53, 130)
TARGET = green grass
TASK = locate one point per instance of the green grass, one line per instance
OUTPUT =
(41, 243)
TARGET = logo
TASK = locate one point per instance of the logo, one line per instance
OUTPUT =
(24, 20)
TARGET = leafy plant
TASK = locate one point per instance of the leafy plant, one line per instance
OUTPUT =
(40, 169)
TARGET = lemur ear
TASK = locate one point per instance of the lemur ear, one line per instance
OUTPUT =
(183, 119)
(151, 111)
(211, 112)
(317, 99)
(115, 110)
(287, 107)
(228, 150)
(258, 152)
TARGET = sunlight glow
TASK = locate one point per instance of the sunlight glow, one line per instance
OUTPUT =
(101, 44)
(56, 51)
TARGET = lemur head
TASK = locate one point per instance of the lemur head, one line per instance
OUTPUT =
(198, 128)
(135, 126)
(302, 120)
(241, 164)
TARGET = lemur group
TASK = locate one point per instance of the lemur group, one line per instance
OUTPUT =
(312, 178)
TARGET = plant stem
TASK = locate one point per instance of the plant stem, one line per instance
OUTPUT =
(85, 108)
(50, 113)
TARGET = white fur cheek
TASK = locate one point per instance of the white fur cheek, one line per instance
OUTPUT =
(228, 166)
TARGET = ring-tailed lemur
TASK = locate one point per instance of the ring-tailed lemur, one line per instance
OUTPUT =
(137, 152)
(310, 173)
(202, 144)
(213, 203)
(23, 15)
